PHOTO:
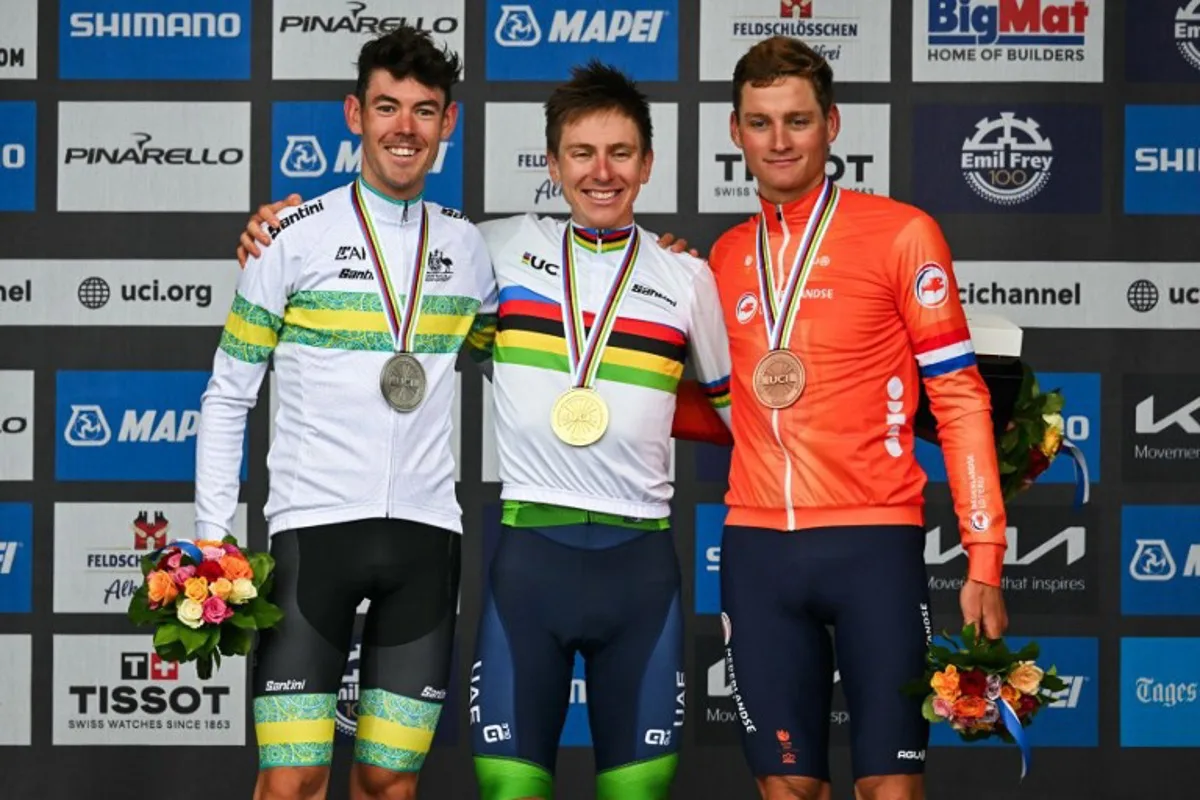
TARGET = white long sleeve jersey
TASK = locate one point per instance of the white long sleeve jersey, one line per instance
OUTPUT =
(313, 303)
(669, 313)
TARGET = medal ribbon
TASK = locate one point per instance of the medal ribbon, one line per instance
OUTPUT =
(779, 328)
(584, 351)
(402, 322)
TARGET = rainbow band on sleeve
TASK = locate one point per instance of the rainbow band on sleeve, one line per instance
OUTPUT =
(717, 392)
(945, 353)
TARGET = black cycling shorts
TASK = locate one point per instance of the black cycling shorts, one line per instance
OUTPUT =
(410, 574)
(610, 593)
(779, 592)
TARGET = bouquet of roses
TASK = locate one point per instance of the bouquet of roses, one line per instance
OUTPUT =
(205, 599)
(1035, 435)
(981, 689)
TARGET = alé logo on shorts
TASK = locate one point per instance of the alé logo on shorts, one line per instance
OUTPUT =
(1007, 160)
(659, 737)
(492, 732)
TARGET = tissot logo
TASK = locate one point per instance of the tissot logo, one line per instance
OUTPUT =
(1162, 431)
(1047, 564)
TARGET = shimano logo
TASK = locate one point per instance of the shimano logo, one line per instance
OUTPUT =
(647, 291)
(1167, 159)
(286, 686)
(359, 22)
(142, 155)
(154, 25)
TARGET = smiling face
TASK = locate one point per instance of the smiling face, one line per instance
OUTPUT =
(601, 164)
(784, 136)
(402, 124)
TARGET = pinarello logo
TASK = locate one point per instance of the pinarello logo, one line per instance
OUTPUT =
(747, 307)
(932, 286)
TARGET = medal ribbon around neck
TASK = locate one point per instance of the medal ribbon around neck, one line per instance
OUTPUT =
(779, 328)
(402, 322)
(584, 351)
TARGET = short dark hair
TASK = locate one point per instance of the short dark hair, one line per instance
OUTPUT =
(783, 57)
(408, 52)
(596, 87)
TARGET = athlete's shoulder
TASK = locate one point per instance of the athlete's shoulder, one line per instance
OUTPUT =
(679, 263)
(880, 211)
(499, 232)
(305, 221)
(733, 244)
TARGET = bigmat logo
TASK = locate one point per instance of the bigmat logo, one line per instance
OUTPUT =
(312, 152)
(320, 39)
(99, 547)
(1072, 720)
(543, 39)
(115, 690)
(1008, 159)
(129, 426)
(154, 40)
(1081, 413)
(1160, 692)
(1008, 40)
(16, 684)
(1162, 41)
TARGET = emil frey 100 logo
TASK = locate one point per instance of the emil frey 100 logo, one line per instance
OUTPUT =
(1007, 160)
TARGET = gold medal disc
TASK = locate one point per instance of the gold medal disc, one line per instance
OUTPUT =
(579, 417)
(779, 379)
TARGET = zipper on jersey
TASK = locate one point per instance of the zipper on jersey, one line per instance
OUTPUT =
(787, 459)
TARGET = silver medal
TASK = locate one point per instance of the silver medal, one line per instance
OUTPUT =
(402, 382)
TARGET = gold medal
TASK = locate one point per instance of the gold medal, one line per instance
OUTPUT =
(779, 379)
(579, 417)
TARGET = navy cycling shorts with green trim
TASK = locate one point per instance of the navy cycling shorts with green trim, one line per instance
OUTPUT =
(610, 593)
(781, 592)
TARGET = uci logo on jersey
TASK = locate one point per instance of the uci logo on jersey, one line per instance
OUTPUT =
(639, 37)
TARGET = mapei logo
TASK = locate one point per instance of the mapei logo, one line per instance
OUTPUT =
(129, 425)
(1160, 546)
(1007, 160)
(638, 36)
(16, 558)
(144, 40)
(314, 152)
(1032, 23)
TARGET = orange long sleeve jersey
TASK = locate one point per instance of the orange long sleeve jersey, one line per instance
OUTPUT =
(880, 310)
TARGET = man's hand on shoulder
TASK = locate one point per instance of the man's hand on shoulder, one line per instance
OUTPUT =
(254, 228)
(983, 605)
(668, 242)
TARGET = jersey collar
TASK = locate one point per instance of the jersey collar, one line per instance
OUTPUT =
(601, 240)
(384, 207)
(794, 213)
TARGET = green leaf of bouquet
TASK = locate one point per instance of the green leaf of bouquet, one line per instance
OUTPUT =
(1029, 652)
(243, 619)
(1054, 404)
(166, 634)
(927, 711)
(266, 614)
(236, 641)
(940, 654)
(262, 564)
(1053, 683)
(229, 538)
(968, 636)
(147, 564)
(192, 640)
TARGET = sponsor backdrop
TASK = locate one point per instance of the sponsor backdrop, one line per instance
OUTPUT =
(1056, 141)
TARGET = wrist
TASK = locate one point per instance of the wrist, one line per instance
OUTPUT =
(985, 563)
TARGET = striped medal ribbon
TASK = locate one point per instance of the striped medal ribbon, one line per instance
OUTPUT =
(402, 380)
(580, 415)
(779, 377)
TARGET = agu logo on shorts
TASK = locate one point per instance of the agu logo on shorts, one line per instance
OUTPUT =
(1081, 412)
(1160, 558)
(543, 39)
(120, 426)
(154, 39)
(1160, 692)
(1019, 158)
(1162, 159)
(710, 522)
(1072, 719)
(18, 156)
(312, 152)
(16, 558)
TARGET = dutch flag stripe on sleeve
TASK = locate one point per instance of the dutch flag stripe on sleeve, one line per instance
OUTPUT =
(945, 353)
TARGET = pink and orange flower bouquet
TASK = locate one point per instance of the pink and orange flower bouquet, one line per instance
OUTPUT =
(205, 599)
(981, 689)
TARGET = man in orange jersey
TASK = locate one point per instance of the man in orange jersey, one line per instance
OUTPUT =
(837, 303)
